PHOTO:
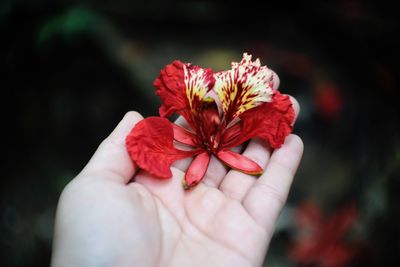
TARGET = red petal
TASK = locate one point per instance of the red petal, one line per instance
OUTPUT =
(337, 255)
(207, 120)
(184, 136)
(341, 221)
(232, 135)
(239, 162)
(329, 101)
(197, 170)
(306, 252)
(308, 214)
(150, 145)
(182, 88)
(171, 89)
(270, 121)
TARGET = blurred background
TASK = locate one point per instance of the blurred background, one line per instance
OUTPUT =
(70, 71)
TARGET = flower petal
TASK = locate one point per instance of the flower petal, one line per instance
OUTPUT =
(198, 82)
(245, 86)
(182, 87)
(197, 170)
(342, 220)
(184, 136)
(270, 121)
(239, 162)
(207, 122)
(171, 88)
(232, 136)
(150, 145)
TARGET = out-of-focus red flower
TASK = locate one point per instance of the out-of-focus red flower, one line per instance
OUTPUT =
(329, 101)
(223, 110)
(321, 240)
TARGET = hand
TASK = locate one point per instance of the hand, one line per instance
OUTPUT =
(106, 218)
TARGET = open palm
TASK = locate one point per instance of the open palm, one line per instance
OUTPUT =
(106, 218)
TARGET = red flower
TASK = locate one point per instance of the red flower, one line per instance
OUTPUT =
(321, 240)
(223, 110)
(329, 101)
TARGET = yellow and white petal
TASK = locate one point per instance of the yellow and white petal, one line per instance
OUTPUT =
(245, 86)
(198, 82)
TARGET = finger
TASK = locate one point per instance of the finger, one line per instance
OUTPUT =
(236, 184)
(267, 196)
(217, 170)
(295, 106)
(169, 191)
(275, 81)
(111, 159)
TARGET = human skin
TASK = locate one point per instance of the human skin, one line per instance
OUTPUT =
(114, 214)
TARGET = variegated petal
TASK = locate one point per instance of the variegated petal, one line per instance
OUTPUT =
(245, 86)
